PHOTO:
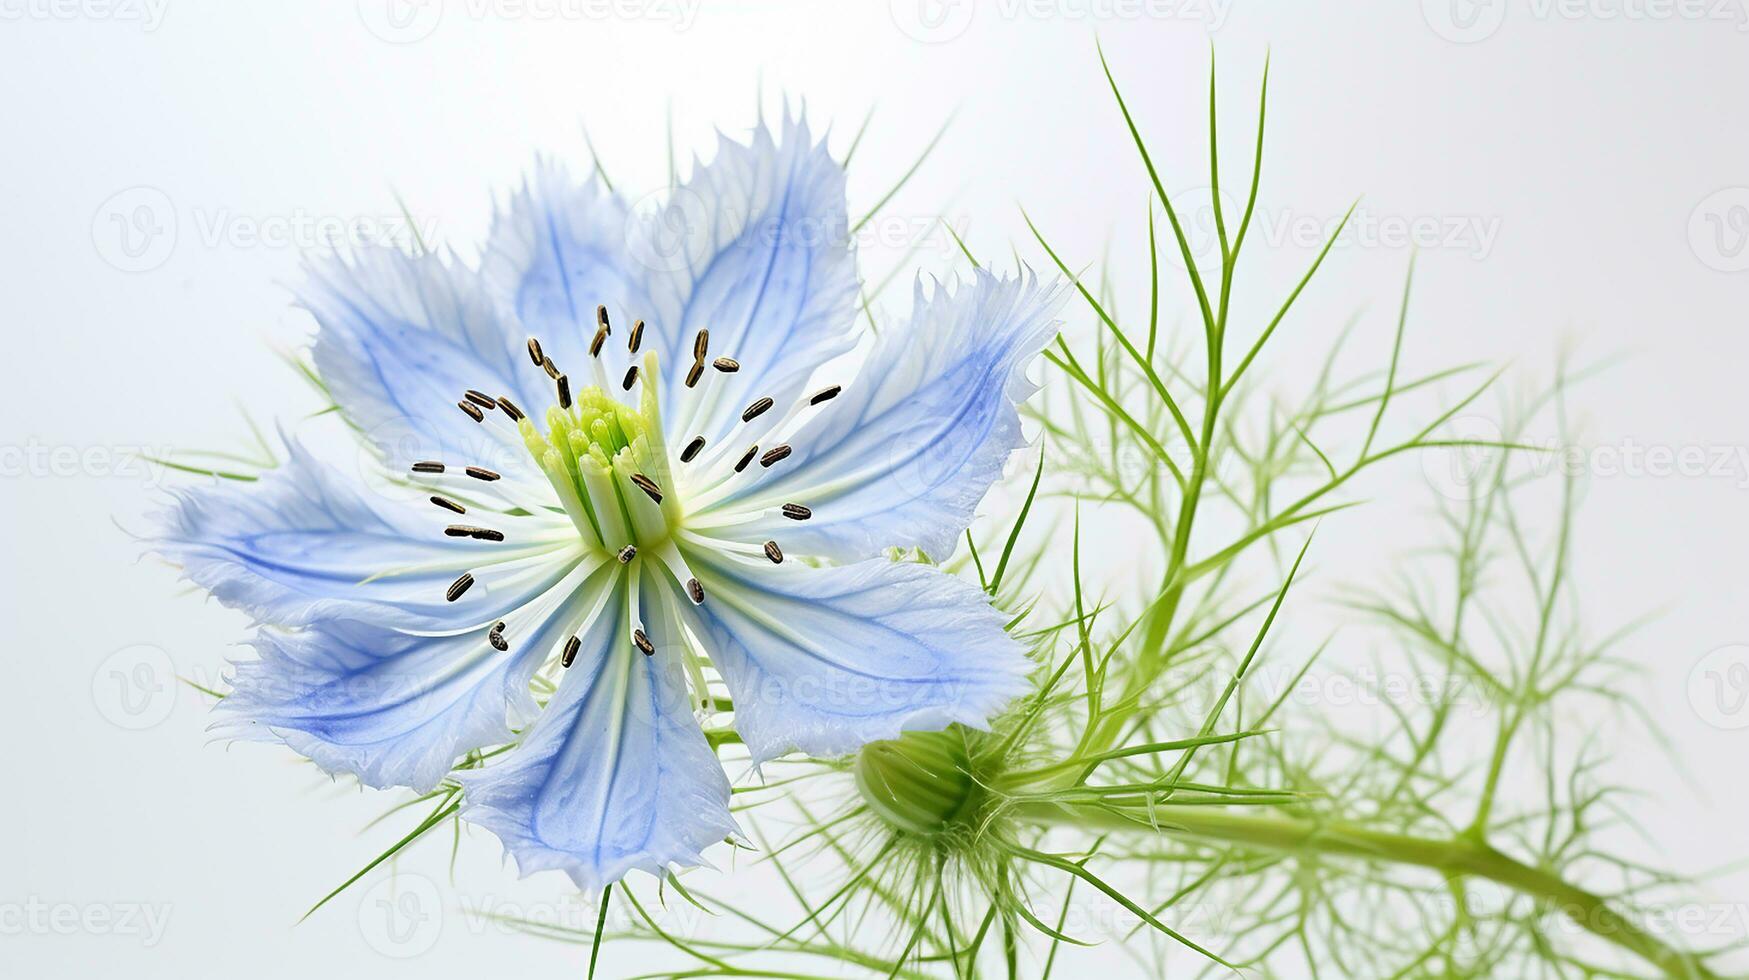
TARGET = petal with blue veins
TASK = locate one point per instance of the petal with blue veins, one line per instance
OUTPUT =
(760, 255)
(395, 708)
(904, 455)
(615, 775)
(562, 248)
(300, 546)
(400, 338)
(825, 660)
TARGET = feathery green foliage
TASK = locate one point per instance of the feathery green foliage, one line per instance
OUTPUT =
(1152, 788)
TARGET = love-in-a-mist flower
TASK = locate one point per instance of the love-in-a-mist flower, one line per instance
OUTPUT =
(623, 475)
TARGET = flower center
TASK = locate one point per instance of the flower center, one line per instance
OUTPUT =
(609, 464)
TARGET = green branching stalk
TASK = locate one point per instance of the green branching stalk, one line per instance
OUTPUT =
(1146, 746)
(1459, 856)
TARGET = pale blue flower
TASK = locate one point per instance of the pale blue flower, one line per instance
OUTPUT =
(634, 550)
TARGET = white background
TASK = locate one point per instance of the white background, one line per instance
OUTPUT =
(1593, 156)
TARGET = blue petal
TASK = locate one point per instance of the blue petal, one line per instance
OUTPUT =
(558, 251)
(400, 338)
(905, 454)
(825, 660)
(393, 708)
(615, 775)
(298, 547)
(761, 256)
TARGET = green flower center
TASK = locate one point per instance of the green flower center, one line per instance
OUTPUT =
(609, 464)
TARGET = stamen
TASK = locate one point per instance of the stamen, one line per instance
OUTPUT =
(550, 368)
(571, 647)
(774, 455)
(481, 473)
(694, 373)
(746, 458)
(692, 449)
(631, 378)
(700, 344)
(627, 553)
(636, 340)
(756, 409)
(647, 485)
(480, 398)
(727, 365)
(448, 504)
(496, 638)
(564, 391)
(601, 319)
(600, 338)
(472, 410)
(641, 640)
(470, 531)
(825, 394)
(534, 352)
(428, 467)
(695, 591)
(796, 512)
(773, 552)
(459, 586)
(510, 409)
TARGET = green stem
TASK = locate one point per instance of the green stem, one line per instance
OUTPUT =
(1457, 857)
